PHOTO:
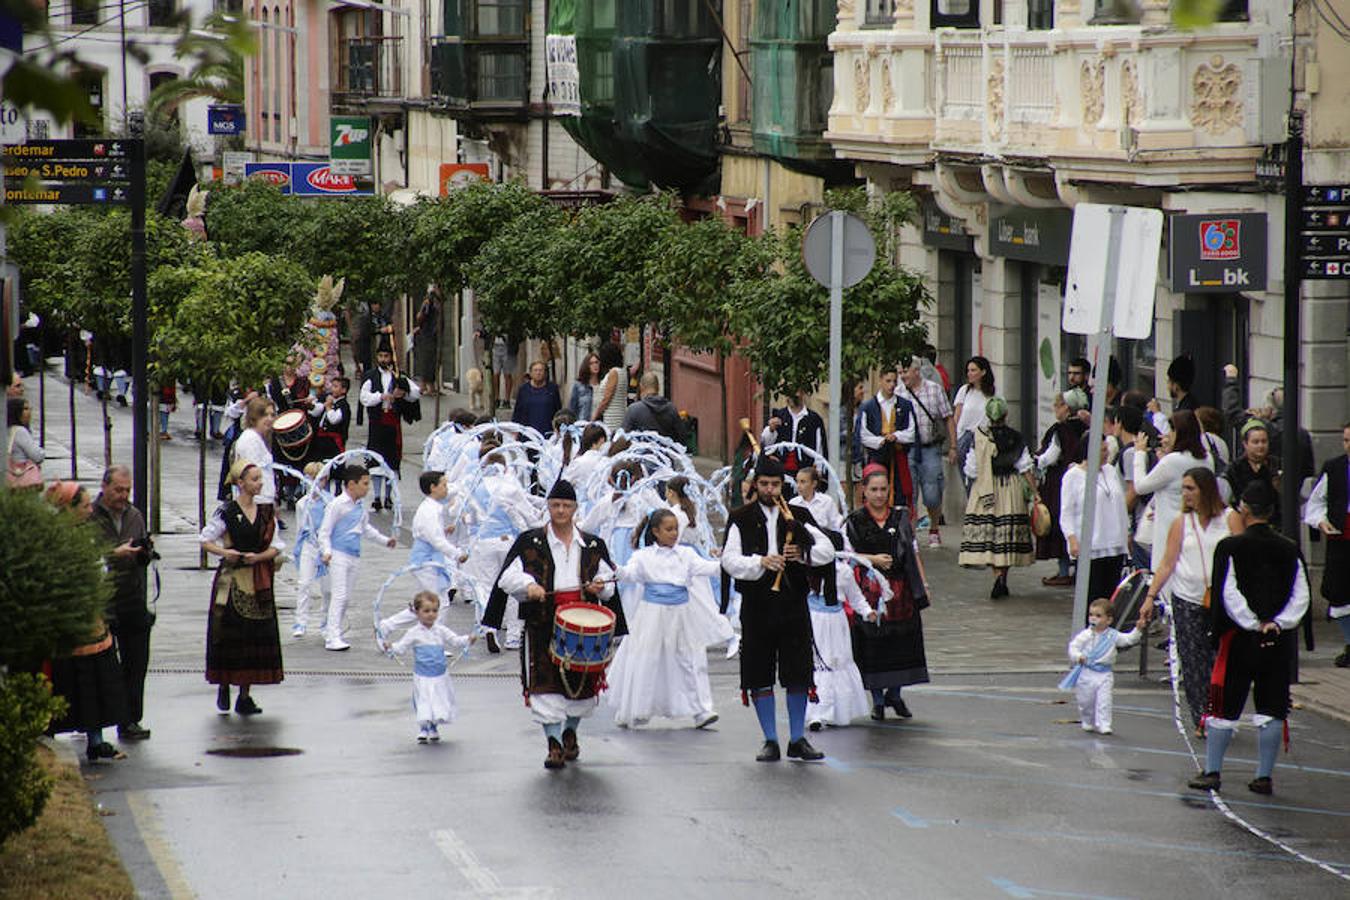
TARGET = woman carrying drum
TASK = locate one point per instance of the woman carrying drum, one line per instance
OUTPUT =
(550, 569)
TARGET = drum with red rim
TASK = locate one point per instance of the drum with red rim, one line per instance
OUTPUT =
(583, 637)
(293, 433)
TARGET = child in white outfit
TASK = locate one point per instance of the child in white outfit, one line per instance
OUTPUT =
(309, 511)
(1093, 653)
(345, 523)
(433, 694)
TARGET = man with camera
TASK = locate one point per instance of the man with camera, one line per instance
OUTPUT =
(128, 616)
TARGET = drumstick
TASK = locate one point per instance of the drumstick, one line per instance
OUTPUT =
(787, 541)
(614, 580)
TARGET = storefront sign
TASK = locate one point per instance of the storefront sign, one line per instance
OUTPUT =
(233, 163)
(944, 232)
(225, 118)
(1221, 253)
(309, 179)
(349, 145)
(458, 175)
(1032, 235)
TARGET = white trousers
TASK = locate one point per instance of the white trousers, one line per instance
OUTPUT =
(485, 563)
(554, 709)
(342, 583)
(309, 565)
(1094, 698)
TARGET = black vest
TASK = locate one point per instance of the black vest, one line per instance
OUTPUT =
(755, 541)
(1337, 473)
(1265, 564)
(810, 431)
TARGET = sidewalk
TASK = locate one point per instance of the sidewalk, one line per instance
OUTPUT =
(965, 632)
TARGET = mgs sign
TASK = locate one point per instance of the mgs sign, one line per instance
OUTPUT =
(1218, 254)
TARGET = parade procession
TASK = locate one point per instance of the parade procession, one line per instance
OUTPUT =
(508, 449)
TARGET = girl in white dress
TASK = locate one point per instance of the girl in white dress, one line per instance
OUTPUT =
(661, 668)
(839, 688)
(433, 694)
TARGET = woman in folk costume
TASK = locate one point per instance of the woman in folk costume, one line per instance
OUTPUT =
(242, 643)
(1328, 511)
(1060, 451)
(662, 667)
(889, 651)
(996, 531)
(546, 568)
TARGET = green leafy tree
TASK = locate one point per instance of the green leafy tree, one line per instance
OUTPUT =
(253, 216)
(512, 277)
(361, 239)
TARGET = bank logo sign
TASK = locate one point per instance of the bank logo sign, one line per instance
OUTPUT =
(1223, 254)
(1220, 239)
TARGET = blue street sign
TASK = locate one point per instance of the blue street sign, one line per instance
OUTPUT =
(225, 118)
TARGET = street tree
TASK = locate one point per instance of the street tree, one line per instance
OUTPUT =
(511, 277)
(358, 239)
(446, 233)
(253, 216)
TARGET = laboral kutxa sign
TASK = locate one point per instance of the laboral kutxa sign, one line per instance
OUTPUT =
(309, 179)
(1218, 253)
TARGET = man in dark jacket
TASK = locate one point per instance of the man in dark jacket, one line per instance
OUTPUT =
(654, 412)
(128, 617)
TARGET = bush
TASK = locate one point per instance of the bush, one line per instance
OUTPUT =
(26, 708)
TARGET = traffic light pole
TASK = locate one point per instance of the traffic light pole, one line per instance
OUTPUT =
(140, 328)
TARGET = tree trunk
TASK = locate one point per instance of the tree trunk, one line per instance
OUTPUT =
(201, 469)
(74, 453)
(155, 508)
(727, 454)
(42, 395)
(107, 431)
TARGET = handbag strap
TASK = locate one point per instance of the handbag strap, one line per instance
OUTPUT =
(1200, 548)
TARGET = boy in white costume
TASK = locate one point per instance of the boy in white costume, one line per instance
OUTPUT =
(1093, 653)
(309, 513)
(345, 523)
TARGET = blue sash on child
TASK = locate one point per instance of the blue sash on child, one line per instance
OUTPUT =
(1099, 649)
(424, 554)
(816, 602)
(309, 531)
(428, 661)
(665, 594)
(347, 532)
(496, 521)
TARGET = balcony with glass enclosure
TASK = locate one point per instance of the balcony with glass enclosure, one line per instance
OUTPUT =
(480, 67)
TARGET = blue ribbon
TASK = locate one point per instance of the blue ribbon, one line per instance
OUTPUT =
(1099, 649)
(665, 594)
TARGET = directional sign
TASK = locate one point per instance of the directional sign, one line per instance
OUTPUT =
(1326, 244)
(58, 192)
(1326, 220)
(1325, 231)
(1326, 195)
(69, 170)
(54, 150)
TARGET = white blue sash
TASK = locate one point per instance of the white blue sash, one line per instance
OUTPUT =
(816, 602)
(347, 531)
(1093, 656)
(665, 594)
(428, 661)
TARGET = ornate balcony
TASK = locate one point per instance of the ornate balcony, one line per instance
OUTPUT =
(369, 68)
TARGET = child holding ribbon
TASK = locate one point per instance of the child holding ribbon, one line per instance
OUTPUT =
(1093, 653)
(433, 693)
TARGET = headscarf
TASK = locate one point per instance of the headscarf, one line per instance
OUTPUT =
(996, 409)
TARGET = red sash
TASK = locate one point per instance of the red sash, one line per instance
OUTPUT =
(1216, 679)
(388, 418)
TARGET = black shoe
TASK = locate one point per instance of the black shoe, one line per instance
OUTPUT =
(376, 506)
(571, 749)
(1343, 661)
(1205, 781)
(555, 759)
(223, 698)
(901, 709)
(246, 707)
(133, 732)
(1261, 786)
(492, 645)
(802, 749)
(878, 713)
(1000, 588)
(104, 750)
(121, 399)
(769, 752)
(281, 523)
(815, 726)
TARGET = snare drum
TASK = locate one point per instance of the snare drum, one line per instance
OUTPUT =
(293, 433)
(583, 637)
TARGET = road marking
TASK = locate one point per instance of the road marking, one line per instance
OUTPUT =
(147, 823)
(1017, 890)
(462, 858)
(909, 818)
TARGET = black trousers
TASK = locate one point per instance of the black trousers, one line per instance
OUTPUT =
(776, 640)
(1262, 671)
(133, 651)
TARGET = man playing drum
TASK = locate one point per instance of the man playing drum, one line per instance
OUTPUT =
(548, 568)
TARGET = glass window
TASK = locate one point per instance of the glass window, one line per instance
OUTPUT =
(1115, 12)
(161, 13)
(1234, 11)
(955, 13)
(501, 18)
(501, 76)
(84, 12)
(879, 13)
(1040, 15)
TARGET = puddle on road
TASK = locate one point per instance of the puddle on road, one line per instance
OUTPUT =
(254, 752)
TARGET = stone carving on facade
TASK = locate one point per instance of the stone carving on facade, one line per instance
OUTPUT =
(1131, 99)
(1091, 85)
(1216, 96)
(995, 107)
(846, 12)
(887, 88)
(862, 77)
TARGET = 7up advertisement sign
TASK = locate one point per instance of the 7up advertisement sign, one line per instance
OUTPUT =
(349, 145)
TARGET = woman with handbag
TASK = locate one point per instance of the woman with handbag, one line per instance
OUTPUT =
(1111, 520)
(243, 645)
(25, 454)
(997, 530)
(1187, 562)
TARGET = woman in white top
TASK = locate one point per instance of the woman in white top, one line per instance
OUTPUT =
(611, 395)
(255, 444)
(23, 449)
(968, 408)
(1184, 572)
(1184, 450)
(1111, 520)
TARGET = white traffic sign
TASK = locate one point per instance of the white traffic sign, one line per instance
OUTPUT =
(1136, 279)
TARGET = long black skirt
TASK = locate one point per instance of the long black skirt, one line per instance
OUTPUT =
(243, 645)
(890, 653)
(93, 689)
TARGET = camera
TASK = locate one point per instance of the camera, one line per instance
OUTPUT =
(145, 547)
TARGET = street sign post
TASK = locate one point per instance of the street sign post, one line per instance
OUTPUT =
(1324, 233)
(1111, 287)
(839, 251)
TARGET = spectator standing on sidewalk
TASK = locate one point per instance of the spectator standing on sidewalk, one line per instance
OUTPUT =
(936, 432)
(968, 408)
(128, 562)
(997, 531)
(537, 401)
(1328, 511)
(654, 412)
(1060, 448)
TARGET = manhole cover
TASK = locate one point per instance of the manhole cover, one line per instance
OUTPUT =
(255, 752)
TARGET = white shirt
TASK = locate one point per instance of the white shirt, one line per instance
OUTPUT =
(971, 467)
(580, 469)
(904, 435)
(1287, 619)
(1191, 574)
(1111, 521)
(429, 525)
(971, 402)
(770, 435)
(215, 530)
(375, 398)
(331, 416)
(336, 510)
(1164, 483)
(750, 567)
(566, 569)
(1316, 512)
(1086, 639)
(823, 509)
(251, 447)
(666, 565)
(435, 636)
